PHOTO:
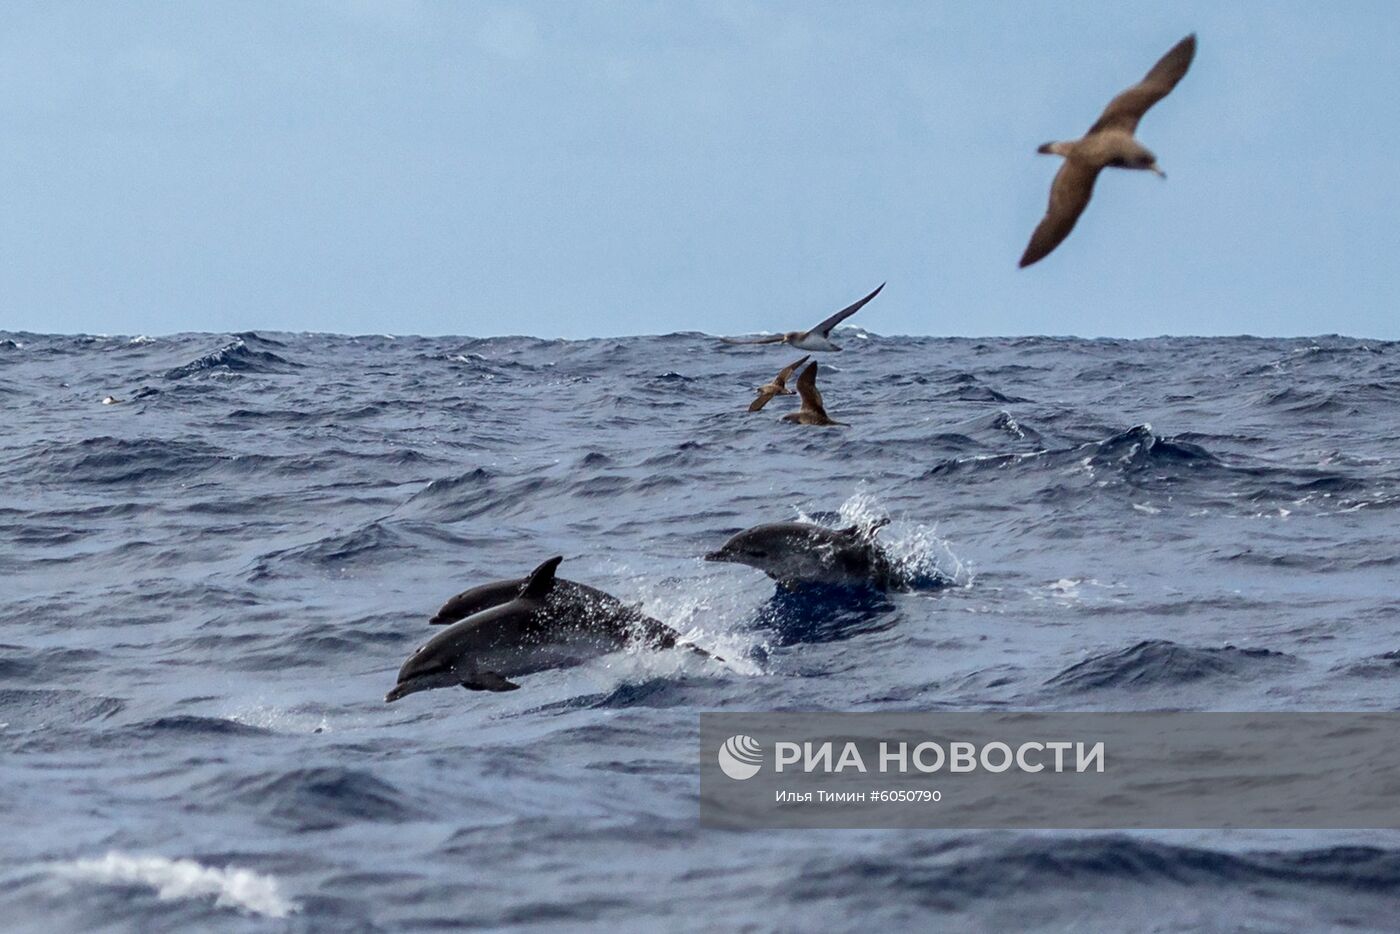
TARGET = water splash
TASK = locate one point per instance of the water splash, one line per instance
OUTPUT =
(921, 556)
(178, 879)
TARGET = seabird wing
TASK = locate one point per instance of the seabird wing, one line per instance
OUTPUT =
(1125, 110)
(767, 339)
(786, 372)
(1069, 194)
(763, 399)
(807, 390)
(824, 329)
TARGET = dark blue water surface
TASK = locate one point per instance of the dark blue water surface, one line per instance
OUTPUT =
(210, 585)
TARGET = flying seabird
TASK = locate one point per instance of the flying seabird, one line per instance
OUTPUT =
(778, 387)
(812, 411)
(819, 338)
(1109, 142)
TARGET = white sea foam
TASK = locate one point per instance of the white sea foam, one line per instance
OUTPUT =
(176, 879)
(705, 615)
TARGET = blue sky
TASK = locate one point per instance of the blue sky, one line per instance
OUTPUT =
(587, 169)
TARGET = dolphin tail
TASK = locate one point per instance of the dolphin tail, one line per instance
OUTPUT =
(657, 635)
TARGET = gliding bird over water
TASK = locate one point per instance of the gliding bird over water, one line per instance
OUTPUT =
(819, 338)
(1109, 142)
(778, 387)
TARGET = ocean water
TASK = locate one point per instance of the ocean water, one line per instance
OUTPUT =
(210, 585)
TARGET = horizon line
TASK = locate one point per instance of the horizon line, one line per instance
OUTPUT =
(851, 331)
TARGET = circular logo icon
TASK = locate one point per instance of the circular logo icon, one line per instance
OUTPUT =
(740, 757)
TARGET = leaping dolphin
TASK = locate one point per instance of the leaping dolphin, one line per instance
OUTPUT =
(507, 629)
(818, 338)
(805, 553)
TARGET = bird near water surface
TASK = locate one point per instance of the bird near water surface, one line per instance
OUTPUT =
(778, 386)
(818, 338)
(813, 411)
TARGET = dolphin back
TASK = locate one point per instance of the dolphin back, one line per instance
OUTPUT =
(473, 601)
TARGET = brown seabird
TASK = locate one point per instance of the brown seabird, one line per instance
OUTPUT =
(778, 387)
(812, 411)
(1109, 142)
(819, 338)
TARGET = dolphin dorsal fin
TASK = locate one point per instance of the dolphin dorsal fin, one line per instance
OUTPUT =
(541, 580)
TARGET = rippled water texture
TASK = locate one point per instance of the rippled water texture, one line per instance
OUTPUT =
(210, 584)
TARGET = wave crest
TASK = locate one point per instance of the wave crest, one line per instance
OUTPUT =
(180, 879)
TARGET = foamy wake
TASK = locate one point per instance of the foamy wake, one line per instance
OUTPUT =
(175, 879)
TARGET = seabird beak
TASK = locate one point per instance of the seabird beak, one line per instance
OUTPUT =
(1157, 169)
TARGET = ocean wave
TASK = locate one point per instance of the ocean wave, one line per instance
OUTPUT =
(181, 879)
(1384, 665)
(1155, 663)
(184, 727)
(1031, 864)
(371, 543)
(210, 587)
(34, 709)
(109, 461)
(1126, 453)
(324, 798)
(240, 355)
(478, 492)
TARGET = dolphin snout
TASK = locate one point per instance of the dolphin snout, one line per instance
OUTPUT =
(717, 556)
(400, 690)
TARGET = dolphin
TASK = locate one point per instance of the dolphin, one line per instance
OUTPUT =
(566, 598)
(795, 553)
(511, 628)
